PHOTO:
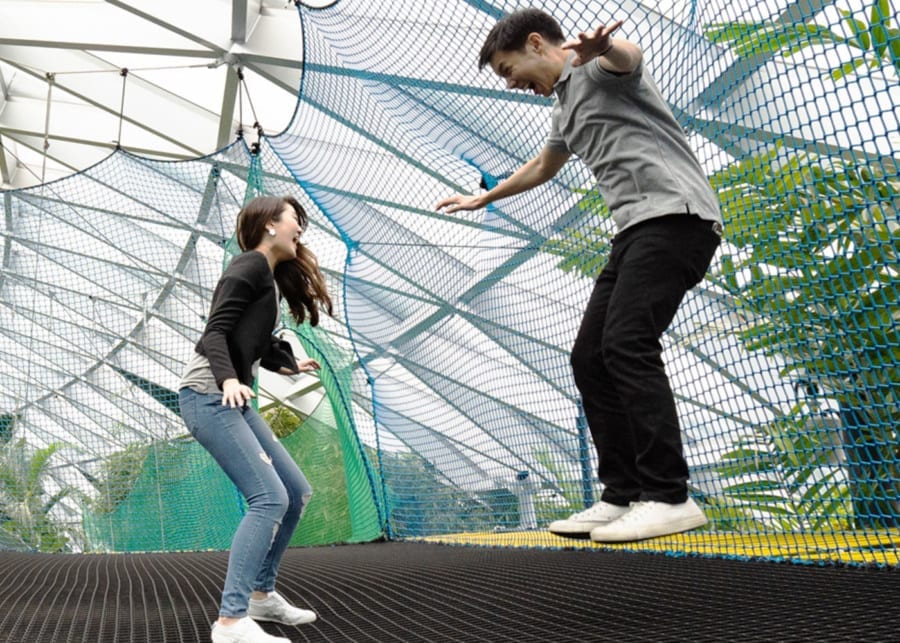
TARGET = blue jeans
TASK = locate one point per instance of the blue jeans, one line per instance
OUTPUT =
(276, 490)
(617, 357)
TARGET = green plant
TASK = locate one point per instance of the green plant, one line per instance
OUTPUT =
(816, 280)
(116, 476)
(25, 508)
(282, 421)
(786, 470)
(583, 249)
(567, 494)
(422, 501)
(872, 35)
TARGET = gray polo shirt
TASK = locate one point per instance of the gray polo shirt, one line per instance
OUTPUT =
(621, 127)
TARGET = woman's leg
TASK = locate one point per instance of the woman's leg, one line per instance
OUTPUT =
(299, 493)
(225, 433)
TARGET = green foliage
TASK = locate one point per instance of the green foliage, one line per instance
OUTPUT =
(872, 35)
(116, 477)
(25, 508)
(565, 487)
(423, 502)
(282, 421)
(783, 477)
(584, 251)
(816, 277)
(820, 242)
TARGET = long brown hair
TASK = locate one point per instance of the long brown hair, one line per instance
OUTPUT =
(300, 280)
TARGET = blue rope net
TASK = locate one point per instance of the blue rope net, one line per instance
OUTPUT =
(448, 387)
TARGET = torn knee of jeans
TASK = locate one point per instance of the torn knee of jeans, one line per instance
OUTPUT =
(265, 457)
(304, 502)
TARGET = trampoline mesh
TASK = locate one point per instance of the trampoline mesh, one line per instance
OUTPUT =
(423, 592)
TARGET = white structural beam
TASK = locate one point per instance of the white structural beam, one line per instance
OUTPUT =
(97, 27)
(227, 124)
(172, 121)
(7, 161)
(244, 13)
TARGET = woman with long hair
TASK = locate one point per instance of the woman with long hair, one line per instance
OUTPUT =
(215, 392)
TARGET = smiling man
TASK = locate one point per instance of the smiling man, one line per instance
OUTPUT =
(610, 114)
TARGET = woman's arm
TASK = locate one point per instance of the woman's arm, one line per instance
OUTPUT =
(237, 289)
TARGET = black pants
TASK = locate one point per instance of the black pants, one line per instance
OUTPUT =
(617, 357)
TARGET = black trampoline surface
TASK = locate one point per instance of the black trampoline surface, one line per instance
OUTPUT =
(422, 592)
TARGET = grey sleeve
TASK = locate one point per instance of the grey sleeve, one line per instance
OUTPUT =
(599, 75)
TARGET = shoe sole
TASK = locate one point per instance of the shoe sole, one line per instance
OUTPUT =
(301, 621)
(579, 535)
(577, 532)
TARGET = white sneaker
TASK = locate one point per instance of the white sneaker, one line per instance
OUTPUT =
(244, 631)
(581, 523)
(276, 608)
(650, 519)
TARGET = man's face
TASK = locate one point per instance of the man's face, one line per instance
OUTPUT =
(525, 69)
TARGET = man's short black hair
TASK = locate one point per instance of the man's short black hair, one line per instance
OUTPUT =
(511, 32)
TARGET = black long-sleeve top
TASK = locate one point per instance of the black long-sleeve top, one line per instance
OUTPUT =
(241, 320)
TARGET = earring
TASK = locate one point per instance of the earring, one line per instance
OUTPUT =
(271, 232)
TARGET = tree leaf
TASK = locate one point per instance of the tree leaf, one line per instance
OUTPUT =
(879, 19)
(860, 30)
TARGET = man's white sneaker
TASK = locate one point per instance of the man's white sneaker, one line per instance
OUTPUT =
(650, 519)
(275, 608)
(244, 631)
(580, 524)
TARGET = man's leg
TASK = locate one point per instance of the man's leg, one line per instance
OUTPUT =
(658, 263)
(603, 409)
(606, 418)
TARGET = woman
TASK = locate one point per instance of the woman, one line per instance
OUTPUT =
(214, 394)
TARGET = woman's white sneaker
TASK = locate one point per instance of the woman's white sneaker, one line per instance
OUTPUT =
(276, 609)
(580, 524)
(244, 631)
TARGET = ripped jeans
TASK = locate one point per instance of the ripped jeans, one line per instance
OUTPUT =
(276, 490)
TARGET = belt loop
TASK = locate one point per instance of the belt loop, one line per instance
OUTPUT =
(717, 228)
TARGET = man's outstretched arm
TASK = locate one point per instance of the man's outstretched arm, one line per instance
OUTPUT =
(538, 170)
(615, 55)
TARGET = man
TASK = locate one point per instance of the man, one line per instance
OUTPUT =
(609, 113)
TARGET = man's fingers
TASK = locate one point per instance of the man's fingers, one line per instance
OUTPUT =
(443, 203)
(611, 28)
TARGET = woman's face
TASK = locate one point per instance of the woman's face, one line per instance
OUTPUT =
(287, 234)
